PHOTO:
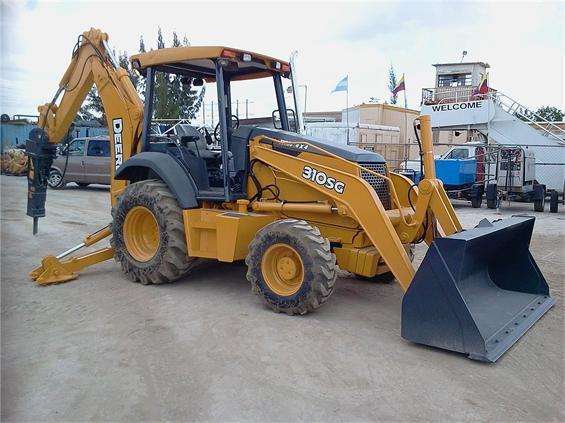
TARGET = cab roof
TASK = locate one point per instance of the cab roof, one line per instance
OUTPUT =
(199, 61)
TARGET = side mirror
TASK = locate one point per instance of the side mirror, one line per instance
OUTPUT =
(197, 82)
(292, 122)
(276, 117)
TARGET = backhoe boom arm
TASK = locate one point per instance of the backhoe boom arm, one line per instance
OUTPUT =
(92, 63)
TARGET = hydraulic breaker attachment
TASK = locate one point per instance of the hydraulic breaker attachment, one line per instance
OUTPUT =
(40, 154)
(477, 291)
(54, 270)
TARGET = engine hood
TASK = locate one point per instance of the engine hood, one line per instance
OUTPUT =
(347, 152)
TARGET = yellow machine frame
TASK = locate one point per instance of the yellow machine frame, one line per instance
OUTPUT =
(366, 238)
(475, 292)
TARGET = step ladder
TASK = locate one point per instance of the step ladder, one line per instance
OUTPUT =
(514, 108)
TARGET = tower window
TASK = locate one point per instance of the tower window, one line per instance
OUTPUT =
(454, 80)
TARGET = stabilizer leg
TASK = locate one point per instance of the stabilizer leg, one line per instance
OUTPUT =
(54, 270)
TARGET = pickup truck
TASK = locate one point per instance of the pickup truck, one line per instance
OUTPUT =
(84, 161)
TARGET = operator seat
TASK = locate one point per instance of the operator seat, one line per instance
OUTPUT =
(195, 142)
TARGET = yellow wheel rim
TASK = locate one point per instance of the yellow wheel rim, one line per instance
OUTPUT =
(282, 269)
(141, 233)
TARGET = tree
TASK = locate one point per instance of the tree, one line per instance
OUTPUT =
(550, 113)
(174, 97)
(140, 84)
(84, 112)
(123, 60)
(92, 108)
(163, 105)
(392, 85)
(141, 45)
(95, 105)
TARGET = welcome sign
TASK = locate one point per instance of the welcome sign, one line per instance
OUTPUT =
(460, 113)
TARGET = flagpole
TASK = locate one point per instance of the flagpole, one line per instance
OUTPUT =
(347, 108)
(406, 147)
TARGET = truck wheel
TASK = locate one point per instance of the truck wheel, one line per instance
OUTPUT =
(554, 202)
(539, 198)
(476, 201)
(148, 234)
(290, 265)
(492, 196)
(55, 179)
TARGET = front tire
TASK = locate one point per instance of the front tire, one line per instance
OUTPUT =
(554, 202)
(476, 202)
(539, 198)
(290, 265)
(148, 234)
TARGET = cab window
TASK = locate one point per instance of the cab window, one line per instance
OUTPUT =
(98, 148)
(76, 148)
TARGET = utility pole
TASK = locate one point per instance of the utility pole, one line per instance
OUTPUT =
(347, 108)
(406, 147)
(203, 113)
(237, 108)
(212, 113)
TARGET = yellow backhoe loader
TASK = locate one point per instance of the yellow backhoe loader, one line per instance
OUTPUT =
(293, 207)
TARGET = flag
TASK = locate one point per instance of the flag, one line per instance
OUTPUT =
(341, 85)
(482, 88)
(400, 86)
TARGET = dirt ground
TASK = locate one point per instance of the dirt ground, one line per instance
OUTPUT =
(205, 348)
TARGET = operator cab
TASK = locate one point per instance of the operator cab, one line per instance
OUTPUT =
(216, 155)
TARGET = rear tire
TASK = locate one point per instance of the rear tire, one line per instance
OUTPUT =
(492, 196)
(554, 202)
(170, 259)
(311, 280)
(476, 196)
(539, 198)
(476, 202)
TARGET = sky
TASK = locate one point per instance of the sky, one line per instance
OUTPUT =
(522, 42)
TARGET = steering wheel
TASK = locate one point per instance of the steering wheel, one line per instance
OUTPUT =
(235, 125)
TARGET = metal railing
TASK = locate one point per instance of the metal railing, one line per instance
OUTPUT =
(514, 108)
(442, 95)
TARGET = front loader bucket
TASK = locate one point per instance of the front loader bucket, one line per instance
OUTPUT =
(478, 291)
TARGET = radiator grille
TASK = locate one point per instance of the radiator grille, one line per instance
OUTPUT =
(380, 185)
